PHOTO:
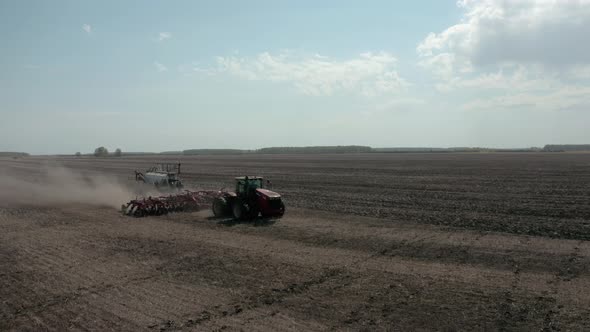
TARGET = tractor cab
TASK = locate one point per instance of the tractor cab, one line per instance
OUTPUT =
(245, 185)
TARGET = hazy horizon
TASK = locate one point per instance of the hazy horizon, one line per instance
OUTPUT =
(164, 76)
(376, 149)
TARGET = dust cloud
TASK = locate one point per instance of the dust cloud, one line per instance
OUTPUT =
(58, 185)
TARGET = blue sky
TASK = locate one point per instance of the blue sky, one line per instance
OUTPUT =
(161, 75)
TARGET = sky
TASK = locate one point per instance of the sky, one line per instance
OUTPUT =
(174, 75)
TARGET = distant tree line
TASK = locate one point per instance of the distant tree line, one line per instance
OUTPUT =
(316, 149)
(13, 154)
(104, 152)
(566, 147)
(193, 152)
(281, 150)
(397, 150)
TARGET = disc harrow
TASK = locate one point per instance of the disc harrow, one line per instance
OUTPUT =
(187, 201)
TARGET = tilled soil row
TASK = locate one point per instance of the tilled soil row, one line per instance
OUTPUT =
(460, 242)
(532, 194)
(310, 271)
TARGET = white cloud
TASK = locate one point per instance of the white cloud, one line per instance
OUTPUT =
(580, 72)
(401, 104)
(369, 74)
(195, 69)
(164, 35)
(551, 33)
(204, 71)
(514, 78)
(160, 67)
(87, 28)
(527, 53)
(566, 98)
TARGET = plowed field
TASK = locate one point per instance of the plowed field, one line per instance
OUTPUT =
(369, 242)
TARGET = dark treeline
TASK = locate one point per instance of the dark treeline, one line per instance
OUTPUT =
(347, 149)
(453, 149)
(397, 150)
(343, 149)
(566, 147)
(316, 149)
(13, 154)
(284, 150)
(193, 152)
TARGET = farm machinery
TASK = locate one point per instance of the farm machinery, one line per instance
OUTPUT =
(250, 200)
(187, 201)
(163, 176)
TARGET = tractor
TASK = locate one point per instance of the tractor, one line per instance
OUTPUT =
(250, 200)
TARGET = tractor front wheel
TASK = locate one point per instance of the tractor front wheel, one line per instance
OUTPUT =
(238, 210)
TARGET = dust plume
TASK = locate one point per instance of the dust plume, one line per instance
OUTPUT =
(58, 185)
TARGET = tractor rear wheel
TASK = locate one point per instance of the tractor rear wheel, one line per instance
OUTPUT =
(219, 207)
(253, 213)
(238, 210)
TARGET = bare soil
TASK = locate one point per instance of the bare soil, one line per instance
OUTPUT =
(369, 242)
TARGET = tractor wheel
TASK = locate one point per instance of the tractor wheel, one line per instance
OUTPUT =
(219, 207)
(238, 210)
(253, 213)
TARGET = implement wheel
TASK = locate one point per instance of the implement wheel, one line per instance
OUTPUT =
(220, 207)
(139, 212)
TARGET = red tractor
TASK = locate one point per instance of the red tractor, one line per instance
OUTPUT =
(249, 201)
